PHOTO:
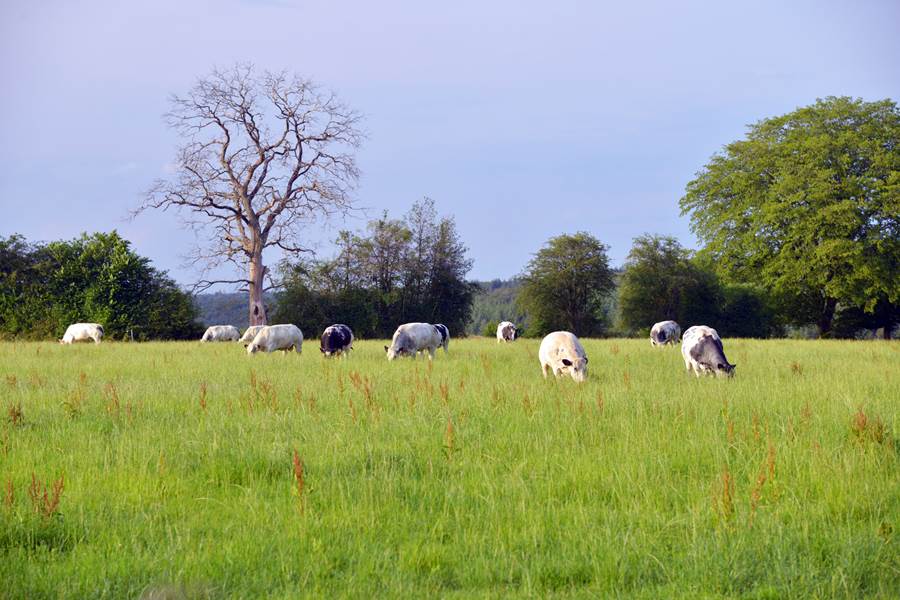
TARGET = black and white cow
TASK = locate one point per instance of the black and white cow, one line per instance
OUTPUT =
(337, 340)
(445, 336)
(665, 332)
(507, 332)
(702, 351)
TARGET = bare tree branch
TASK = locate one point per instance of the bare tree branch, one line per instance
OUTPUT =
(265, 155)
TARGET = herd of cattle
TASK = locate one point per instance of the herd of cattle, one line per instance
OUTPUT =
(560, 352)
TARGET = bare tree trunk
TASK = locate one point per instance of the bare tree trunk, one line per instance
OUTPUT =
(826, 317)
(257, 281)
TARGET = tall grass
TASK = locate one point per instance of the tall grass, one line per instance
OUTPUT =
(196, 470)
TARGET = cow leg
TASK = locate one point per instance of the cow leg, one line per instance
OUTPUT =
(544, 368)
(431, 353)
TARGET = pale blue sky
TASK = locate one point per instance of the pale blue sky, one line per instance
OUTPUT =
(522, 119)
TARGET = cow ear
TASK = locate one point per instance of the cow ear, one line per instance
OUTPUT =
(567, 362)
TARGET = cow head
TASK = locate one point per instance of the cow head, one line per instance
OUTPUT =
(575, 367)
(252, 348)
(724, 369)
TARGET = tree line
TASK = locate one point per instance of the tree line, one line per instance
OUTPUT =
(93, 278)
(799, 224)
(398, 270)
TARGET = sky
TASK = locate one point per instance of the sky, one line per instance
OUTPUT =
(523, 120)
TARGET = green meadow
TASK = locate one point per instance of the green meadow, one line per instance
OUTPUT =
(183, 470)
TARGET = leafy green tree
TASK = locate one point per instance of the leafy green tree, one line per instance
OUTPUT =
(748, 312)
(398, 270)
(564, 285)
(850, 320)
(661, 282)
(96, 278)
(808, 206)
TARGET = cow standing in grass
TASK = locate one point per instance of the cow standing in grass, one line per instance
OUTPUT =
(665, 332)
(82, 332)
(250, 334)
(507, 332)
(562, 353)
(277, 337)
(221, 333)
(703, 354)
(337, 340)
(412, 338)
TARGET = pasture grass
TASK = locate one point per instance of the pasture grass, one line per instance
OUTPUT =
(193, 470)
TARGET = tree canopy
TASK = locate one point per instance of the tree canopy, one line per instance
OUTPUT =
(96, 278)
(661, 282)
(398, 270)
(565, 284)
(808, 205)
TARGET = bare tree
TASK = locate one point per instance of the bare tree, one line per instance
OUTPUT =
(265, 155)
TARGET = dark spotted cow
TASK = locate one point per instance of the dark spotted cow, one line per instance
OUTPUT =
(337, 340)
(703, 353)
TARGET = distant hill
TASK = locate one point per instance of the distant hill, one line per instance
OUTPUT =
(494, 302)
(227, 308)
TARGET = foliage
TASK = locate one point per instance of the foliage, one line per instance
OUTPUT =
(182, 481)
(852, 321)
(747, 311)
(399, 270)
(565, 284)
(495, 301)
(96, 278)
(808, 206)
(661, 282)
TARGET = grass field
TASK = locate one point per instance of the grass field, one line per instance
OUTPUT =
(472, 477)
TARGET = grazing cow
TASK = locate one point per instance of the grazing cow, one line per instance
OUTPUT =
(507, 332)
(277, 337)
(702, 350)
(412, 338)
(337, 340)
(250, 334)
(221, 333)
(560, 353)
(82, 332)
(445, 335)
(665, 332)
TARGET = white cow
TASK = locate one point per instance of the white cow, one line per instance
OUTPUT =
(82, 332)
(702, 351)
(221, 333)
(507, 332)
(665, 332)
(250, 334)
(560, 353)
(277, 337)
(412, 338)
